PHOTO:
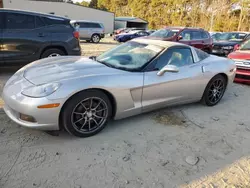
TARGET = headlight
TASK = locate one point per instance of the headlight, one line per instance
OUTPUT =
(227, 47)
(41, 90)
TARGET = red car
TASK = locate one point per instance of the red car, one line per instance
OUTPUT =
(196, 37)
(242, 61)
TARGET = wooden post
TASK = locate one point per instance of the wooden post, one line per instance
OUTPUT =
(1, 3)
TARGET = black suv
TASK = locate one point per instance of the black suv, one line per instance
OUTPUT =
(28, 36)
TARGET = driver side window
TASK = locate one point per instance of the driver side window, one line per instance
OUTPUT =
(175, 56)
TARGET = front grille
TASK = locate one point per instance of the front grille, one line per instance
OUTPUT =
(242, 76)
(215, 47)
(243, 69)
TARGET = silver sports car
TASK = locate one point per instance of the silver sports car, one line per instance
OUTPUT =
(82, 94)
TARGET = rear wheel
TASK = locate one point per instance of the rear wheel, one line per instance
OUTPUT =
(95, 38)
(214, 90)
(87, 113)
(53, 52)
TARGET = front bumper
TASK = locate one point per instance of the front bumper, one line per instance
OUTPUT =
(242, 76)
(17, 104)
(221, 52)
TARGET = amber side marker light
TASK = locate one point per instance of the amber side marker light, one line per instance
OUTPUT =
(49, 105)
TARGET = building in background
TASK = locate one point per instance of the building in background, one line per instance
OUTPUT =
(129, 22)
(64, 8)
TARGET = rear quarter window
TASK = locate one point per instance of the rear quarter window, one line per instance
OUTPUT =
(201, 54)
(55, 21)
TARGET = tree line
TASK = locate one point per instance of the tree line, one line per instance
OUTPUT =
(212, 15)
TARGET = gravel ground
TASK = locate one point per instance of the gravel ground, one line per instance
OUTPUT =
(185, 146)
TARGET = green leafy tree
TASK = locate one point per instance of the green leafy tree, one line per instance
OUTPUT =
(93, 4)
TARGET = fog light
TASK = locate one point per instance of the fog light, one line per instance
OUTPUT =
(28, 118)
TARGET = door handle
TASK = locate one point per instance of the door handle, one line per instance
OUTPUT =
(41, 35)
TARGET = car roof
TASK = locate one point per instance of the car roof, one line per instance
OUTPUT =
(164, 44)
(32, 13)
(237, 32)
(88, 21)
(182, 28)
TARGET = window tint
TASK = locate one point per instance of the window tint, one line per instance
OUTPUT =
(201, 54)
(176, 56)
(95, 25)
(54, 21)
(204, 35)
(196, 35)
(89, 25)
(19, 21)
(186, 35)
(1, 20)
(39, 22)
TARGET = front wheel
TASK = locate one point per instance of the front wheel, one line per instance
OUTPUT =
(86, 113)
(214, 90)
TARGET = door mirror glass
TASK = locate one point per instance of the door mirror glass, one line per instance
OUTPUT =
(168, 68)
(179, 38)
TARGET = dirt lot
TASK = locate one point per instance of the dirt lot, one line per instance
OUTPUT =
(190, 146)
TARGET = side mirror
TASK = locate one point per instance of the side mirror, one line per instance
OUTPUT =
(168, 68)
(179, 38)
(92, 57)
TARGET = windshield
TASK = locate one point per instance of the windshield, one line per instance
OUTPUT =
(129, 56)
(232, 36)
(245, 45)
(164, 33)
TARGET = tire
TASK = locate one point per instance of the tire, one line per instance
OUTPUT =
(53, 52)
(95, 38)
(79, 120)
(214, 91)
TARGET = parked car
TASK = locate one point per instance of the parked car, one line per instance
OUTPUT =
(242, 61)
(215, 35)
(196, 37)
(120, 30)
(151, 31)
(82, 94)
(28, 36)
(226, 43)
(89, 30)
(124, 37)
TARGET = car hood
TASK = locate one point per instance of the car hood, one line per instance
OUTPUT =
(240, 54)
(62, 68)
(226, 43)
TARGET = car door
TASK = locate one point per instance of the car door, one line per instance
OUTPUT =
(172, 87)
(1, 36)
(84, 30)
(21, 40)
